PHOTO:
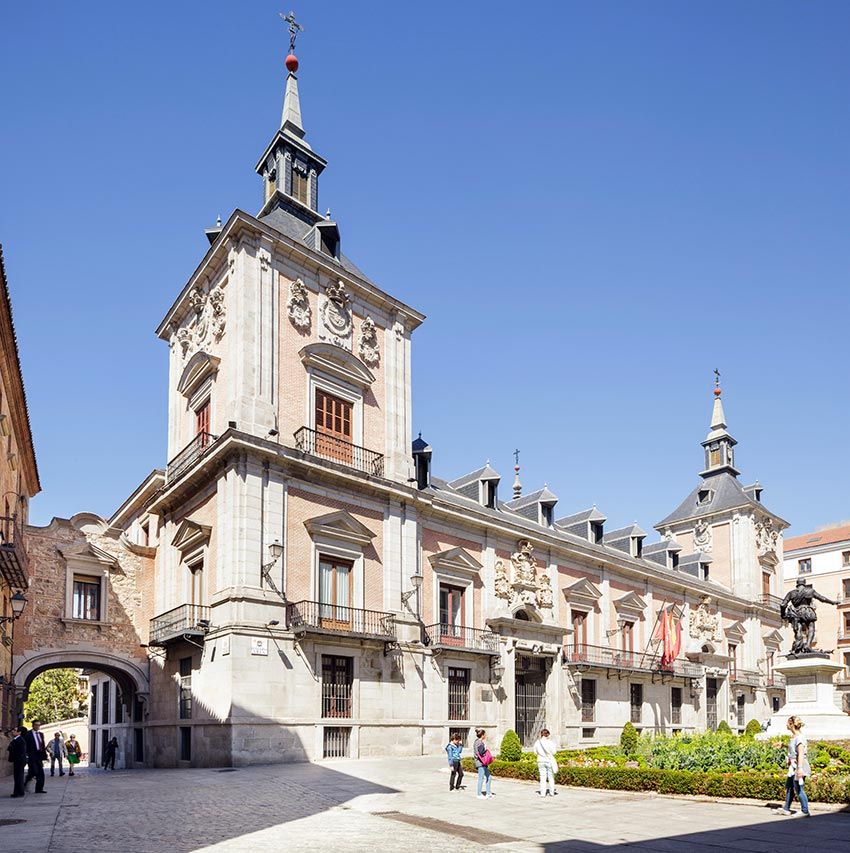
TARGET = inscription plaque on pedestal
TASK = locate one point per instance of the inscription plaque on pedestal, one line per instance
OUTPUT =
(803, 689)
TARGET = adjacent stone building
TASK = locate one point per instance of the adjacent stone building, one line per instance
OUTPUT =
(18, 484)
(823, 559)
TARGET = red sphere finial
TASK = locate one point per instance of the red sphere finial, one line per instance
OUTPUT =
(717, 392)
(291, 63)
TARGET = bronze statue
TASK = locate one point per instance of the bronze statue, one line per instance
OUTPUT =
(798, 608)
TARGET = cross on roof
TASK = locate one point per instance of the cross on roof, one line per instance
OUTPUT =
(294, 29)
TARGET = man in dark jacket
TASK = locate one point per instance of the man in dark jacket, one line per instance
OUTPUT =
(36, 756)
(17, 750)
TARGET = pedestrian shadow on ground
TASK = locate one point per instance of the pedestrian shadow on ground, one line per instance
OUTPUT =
(823, 832)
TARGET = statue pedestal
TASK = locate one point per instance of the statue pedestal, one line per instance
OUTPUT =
(810, 694)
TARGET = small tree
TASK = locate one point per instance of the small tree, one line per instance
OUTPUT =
(753, 728)
(723, 728)
(511, 749)
(629, 739)
(55, 695)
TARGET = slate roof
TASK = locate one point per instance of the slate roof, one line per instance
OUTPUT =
(292, 223)
(540, 496)
(592, 514)
(728, 494)
(485, 473)
(623, 533)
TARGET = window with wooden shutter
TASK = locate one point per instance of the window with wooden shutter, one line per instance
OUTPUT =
(333, 427)
(300, 185)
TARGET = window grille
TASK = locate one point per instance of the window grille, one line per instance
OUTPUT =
(458, 693)
(676, 706)
(636, 700)
(464, 736)
(337, 684)
(588, 700)
(336, 742)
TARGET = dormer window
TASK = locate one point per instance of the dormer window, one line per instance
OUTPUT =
(703, 571)
(704, 496)
(546, 511)
(300, 183)
(490, 488)
(637, 546)
(596, 532)
(674, 559)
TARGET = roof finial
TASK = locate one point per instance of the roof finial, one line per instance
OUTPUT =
(517, 484)
(717, 390)
(291, 118)
(294, 29)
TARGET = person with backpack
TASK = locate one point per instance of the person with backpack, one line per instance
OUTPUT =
(483, 759)
(454, 748)
(547, 766)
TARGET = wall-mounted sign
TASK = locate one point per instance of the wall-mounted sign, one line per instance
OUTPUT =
(225, 645)
(259, 646)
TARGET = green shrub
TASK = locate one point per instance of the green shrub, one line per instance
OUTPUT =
(723, 728)
(629, 739)
(753, 728)
(511, 749)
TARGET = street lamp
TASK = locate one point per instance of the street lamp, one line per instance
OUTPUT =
(275, 550)
(416, 583)
(18, 602)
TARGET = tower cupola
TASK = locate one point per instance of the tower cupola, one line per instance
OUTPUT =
(718, 444)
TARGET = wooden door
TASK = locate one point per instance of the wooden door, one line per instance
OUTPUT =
(451, 615)
(333, 427)
(335, 587)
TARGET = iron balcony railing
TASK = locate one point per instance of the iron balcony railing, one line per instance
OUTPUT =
(13, 555)
(770, 601)
(603, 656)
(185, 620)
(459, 637)
(189, 455)
(338, 450)
(335, 619)
(747, 677)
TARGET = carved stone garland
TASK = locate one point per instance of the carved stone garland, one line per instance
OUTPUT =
(526, 587)
(298, 306)
(207, 324)
(335, 324)
(368, 346)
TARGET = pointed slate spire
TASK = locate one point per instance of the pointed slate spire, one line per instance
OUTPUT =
(290, 119)
(718, 444)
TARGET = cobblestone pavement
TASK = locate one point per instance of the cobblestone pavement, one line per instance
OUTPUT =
(377, 805)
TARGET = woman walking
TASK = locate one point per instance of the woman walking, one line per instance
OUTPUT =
(454, 751)
(72, 747)
(109, 754)
(483, 759)
(798, 768)
(547, 767)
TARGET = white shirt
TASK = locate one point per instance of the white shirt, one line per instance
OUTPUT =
(544, 749)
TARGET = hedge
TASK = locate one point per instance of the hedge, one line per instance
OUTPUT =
(745, 784)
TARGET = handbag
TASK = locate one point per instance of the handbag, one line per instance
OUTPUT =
(486, 758)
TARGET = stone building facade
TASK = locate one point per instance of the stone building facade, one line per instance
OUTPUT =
(318, 591)
(18, 484)
(822, 558)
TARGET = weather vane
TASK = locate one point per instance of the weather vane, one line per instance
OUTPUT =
(294, 29)
(516, 457)
(716, 378)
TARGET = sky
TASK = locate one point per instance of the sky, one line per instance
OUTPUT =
(595, 203)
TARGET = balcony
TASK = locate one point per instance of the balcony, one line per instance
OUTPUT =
(187, 620)
(775, 680)
(189, 455)
(772, 602)
(337, 450)
(603, 657)
(312, 617)
(745, 677)
(844, 636)
(442, 636)
(13, 555)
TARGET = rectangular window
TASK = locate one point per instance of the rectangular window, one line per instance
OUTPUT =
(202, 419)
(464, 735)
(138, 710)
(458, 693)
(588, 734)
(711, 703)
(740, 711)
(185, 709)
(139, 745)
(185, 743)
(588, 700)
(451, 614)
(196, 583)
(770, 656)
(765, 583)
(733, 660)
(86, 600)
(119, 706)
(628, 641)
(845, 588)
(336, 742)
(337, 685)
(713, 455)
(104, 740)
(847, 664)
(300, 185)
(104, 702)
(846, 625)
(93, 704)
(804, 566)
(845, 558)
(596, 532)
(676, 706)
(335, 580)
(636, 702)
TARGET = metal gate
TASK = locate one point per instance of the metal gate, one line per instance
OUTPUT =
(711, 704)
(530, 698)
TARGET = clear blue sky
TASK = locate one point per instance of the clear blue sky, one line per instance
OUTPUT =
(595, 204)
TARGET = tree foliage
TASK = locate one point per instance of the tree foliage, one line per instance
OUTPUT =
(629, 739)
(511, 747)
(753, 728)
(723, 728)
(55, 695)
